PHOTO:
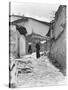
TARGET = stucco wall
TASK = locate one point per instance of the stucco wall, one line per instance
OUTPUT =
(58, 52)
(58, 49)
(61, 20)
(13, 40)
(22, 45)
(35, 26)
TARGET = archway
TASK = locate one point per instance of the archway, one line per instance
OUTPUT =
(21, 40)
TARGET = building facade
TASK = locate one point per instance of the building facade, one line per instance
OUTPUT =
(29, 32)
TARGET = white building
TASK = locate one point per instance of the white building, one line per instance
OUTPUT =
(31, 25)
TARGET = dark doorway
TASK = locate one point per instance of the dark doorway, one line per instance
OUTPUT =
(30, 49)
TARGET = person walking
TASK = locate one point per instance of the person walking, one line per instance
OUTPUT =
(38, 50)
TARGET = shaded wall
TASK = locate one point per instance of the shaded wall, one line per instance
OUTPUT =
(58, 52)
(58, 48)
(13, 41)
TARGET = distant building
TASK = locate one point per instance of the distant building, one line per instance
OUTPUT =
(35, 31)
(33, 39)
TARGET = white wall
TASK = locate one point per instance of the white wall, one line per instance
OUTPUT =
(36, 26)
(22, 45)
(14, 42)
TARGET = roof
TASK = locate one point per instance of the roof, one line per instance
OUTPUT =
(23, 18)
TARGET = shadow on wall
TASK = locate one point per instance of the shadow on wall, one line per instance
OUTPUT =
(58, 53)
(58, 60)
